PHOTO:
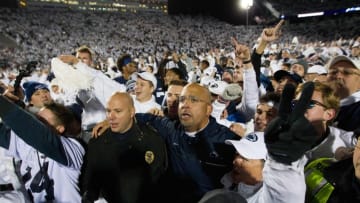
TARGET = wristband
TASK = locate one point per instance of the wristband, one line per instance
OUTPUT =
(246, 62)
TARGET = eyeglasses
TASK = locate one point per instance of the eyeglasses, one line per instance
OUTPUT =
(311, 104)
(192, 99)
(345, 71)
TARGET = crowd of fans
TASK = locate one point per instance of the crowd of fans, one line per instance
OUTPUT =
(111, 34)
(138, 107)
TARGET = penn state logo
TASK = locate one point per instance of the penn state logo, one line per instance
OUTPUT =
(252, 137)
(214, 85)
(149, 157)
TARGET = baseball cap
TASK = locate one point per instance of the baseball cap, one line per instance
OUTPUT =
(356, 44)
(130, 85)
(278, 75)
(337, 59)
(303, 63)
(309, 52)
(318, 69)
(232, 91)
(149, 77)
(218, 87)
(252, 146)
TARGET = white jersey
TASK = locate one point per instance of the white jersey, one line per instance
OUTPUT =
(8, 176)
(45, 177)
(326, 149)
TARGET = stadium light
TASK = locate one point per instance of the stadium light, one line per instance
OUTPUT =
(246, 5)
(304, 15)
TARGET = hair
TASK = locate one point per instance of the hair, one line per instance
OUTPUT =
(65, 117)
(177, 72)
(205, 62)
(85, 49)
(356, 134)
(223, 60)
(121, 61)
(270, 97)
(178, 83)
(330, 100)
(151, 67)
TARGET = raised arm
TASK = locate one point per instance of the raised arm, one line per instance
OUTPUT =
(30, 129)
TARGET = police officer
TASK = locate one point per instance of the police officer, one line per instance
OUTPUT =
(327, 181)
(125, 163)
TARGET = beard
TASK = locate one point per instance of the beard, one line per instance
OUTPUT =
(339, 87)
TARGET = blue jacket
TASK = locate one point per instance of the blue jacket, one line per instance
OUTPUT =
(197, 163)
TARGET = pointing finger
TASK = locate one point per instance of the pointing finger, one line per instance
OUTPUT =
(278, 26)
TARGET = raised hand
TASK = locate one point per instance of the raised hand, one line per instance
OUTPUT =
(271, 34)
(69, 59)
(100, 128)
(242, 52)
(290, 134)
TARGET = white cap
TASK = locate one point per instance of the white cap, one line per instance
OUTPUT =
(309, 51)
(218, 87)
(318, 69)
(251, 146)
(336, 59)
(149, 77)
(356, 44)
(232, 91)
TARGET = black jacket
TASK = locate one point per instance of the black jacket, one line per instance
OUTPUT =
(347, 186)
(125, 167)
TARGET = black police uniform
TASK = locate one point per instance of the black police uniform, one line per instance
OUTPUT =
(125, 167)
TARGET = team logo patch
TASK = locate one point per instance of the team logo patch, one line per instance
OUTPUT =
(149, 157)
(252, 137)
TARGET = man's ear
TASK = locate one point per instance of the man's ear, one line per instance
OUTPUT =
(329, 114)
(209, 109)
(132, 113)
(60, 128)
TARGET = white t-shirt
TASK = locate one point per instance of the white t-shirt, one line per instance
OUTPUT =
(144, 107)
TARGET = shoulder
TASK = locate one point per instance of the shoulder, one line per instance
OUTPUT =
(148, 137)
(100, 139)
(220, 131)
(147, 130)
